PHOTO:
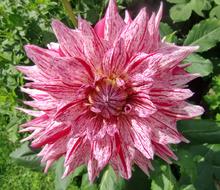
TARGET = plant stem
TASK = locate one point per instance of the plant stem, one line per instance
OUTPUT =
(69, 11)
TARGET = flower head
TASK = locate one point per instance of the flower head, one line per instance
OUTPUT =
(111, 94)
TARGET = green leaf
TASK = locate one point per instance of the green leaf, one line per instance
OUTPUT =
(188, 169)
(62, 184)
(198, 6)
(139, 179)
(206, 158)
(27, 157)
(167, 33)
(86, 185)
(177, 1)
(208, 168)
(213, 96)
(215, 12)
(199, 65)
(217, 2)
(207, 6)
(163, 179)
(110, 181)
(200, 131)
(188, 187)
(165, 29)
(180, 12)
(205, 34)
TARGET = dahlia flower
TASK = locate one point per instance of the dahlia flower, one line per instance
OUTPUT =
(111, 94)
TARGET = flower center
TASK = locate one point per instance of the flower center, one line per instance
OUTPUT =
(108, 98)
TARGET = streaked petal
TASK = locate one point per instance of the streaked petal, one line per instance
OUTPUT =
(142, 138)
(169, 96)
(100, 27)
(171, 55)
(102, 151)
(113, 22)
(115, 59)
(70, 40)
(136, 34)
(183, 111)
(73, 71)
(93, 46)
(142, 162)
(127, 18)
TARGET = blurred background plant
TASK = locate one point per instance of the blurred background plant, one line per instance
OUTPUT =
(188, 22)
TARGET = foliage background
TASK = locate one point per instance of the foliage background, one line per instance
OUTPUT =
(195, 22)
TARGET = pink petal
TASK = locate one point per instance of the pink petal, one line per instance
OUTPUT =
(93, 169)
(54, 151)
(128, 18)
(164, 152)
(183, 111)
(142, 63)
(69, 112)
(113, 22)
(136, 34)
(51, 136)
(102, 151)
(94, 128)
(73, 145)
(56, 90)
(77, 157)
(159, 16)
(115, 59)
(162, 133)
(33, 73)
(42, 105)
(166, 136)
(38, 121)
(93, 46)
(43, 58)
(171, 55)
(142, 162)
(122, 160)
(142, 138)
(31, 112)
(55, 47)
(181, 80)
(169, 96)
(142, 105)
(70, 40)
(153, 28)
(99, 28)
(73, 71)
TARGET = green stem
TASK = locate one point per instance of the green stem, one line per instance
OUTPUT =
(69, 12)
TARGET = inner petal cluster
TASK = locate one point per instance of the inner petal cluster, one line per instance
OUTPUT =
(108, 98)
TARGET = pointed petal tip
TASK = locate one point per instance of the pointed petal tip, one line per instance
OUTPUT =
(19, 68)
(112, 3)
(183, 139)
(174, 157)
(112, 6)
(143, 11)
(159, 14)
(160, 10)
(193, 48)
(23, 131)
(151, 166)
(199, 110)
(27, 47)
(127, 18)
(56, 24)
(30, 48)
(23, 140)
